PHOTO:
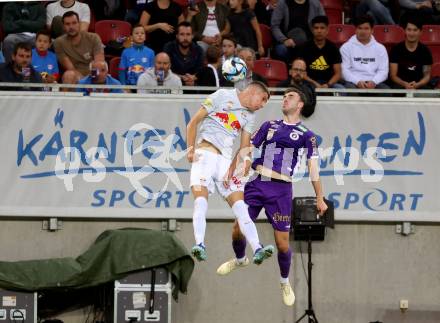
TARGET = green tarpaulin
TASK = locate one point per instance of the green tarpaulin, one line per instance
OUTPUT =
(114, 254)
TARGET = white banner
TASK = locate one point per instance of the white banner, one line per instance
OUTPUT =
(124, 157)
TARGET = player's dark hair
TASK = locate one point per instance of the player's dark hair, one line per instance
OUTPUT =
(308, 97)
(262, 87)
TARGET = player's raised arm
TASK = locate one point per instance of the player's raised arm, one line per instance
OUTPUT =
(316, 183)
(191, 132)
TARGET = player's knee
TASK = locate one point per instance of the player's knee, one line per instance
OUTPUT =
(282, 247)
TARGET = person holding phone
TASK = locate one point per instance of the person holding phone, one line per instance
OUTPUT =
(160, 76)
(20, 70)
(99, 76)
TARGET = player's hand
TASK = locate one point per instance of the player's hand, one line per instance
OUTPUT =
(191, 155)
(321, 205)
(228, 176)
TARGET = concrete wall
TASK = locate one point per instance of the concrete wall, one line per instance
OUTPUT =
(360, 272)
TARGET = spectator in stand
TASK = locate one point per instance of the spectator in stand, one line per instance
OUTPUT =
(297, 75)
(410, 60)
(378, 9)
(209, 22)
(290, 25)
(19, 69)
(135, 59)
(263, 10)
(134, 10)
(99, 76)
(56, 10)
(229, 47)
(186, 56)
(45, 61)
(248, 55)
(21, 21)
(160, 75)
(364, 60)
(244, 26)
(160, 19)
(426, 10)
(76, 49)
(210, 74)
(322, 57)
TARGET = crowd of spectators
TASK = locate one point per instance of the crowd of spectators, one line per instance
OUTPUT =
(173, 44)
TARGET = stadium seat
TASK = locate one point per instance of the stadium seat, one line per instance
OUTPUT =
(334, 11)
(113, 67)
(266, 34)
(339, 33)
(112, 29)
(92, 22)
(388, 35)
(430, 35)
(272, 70)
(435, 51)
(435, 72)
(335, 16)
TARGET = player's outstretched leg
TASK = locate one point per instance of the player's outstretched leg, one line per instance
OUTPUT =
(199, 225)
(284, 261)
(249, 230)
(239, 247)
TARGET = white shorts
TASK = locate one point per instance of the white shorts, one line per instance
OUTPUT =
(209, 170)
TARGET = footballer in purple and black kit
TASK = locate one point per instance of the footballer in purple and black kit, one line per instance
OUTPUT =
(282, 143)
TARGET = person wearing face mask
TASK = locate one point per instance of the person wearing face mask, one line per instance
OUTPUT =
(20, 70)
(99, 76)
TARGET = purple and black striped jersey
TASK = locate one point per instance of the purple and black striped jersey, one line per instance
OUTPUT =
(283, 145)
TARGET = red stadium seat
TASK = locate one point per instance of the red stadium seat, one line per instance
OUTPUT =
(272, 70)
(112, 29)
(334, 10)
(435, 51)
(266, 34)
(339, 34)
(113, 67)
(92, 22)
(388, 35)
(435, 72)
(335, 16)
(430, 35)
(332, 4)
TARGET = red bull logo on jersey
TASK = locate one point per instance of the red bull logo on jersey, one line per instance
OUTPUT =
(229, 120)
(137, 69)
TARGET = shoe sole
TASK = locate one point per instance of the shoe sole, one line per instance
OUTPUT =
(198, 255)
(227, 273)
(267, 254)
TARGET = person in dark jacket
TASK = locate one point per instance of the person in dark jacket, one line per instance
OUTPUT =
(20, 69)
(21, 21)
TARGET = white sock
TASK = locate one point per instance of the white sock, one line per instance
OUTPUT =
(247, 226)
(241, 260)
(199, 219)
(284, 280)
